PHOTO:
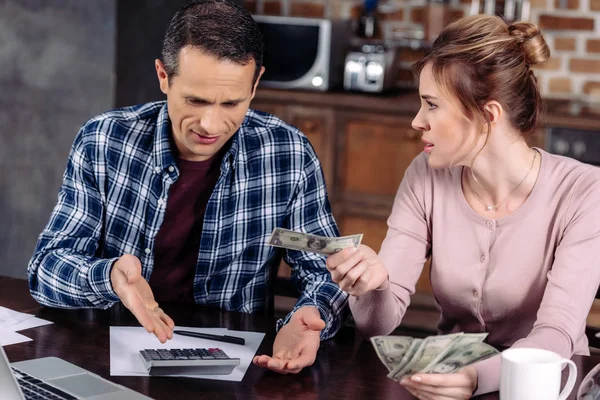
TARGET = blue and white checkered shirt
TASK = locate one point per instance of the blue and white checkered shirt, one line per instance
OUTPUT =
(114, 196)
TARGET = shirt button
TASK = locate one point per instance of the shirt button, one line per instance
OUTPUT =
(475, 293)
(157, 170)
(147, 251)
(489, 223)
(160, 202)
(171, 168)
(482, 259)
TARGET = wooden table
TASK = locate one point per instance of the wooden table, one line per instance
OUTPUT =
(346, 367)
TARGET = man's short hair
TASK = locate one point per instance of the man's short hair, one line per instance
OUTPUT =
(219, 28)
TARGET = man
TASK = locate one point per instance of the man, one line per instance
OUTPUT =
(175, 200)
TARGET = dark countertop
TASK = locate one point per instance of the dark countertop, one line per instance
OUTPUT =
(346, 367)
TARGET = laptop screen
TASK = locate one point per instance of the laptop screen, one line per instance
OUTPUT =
(9, 388)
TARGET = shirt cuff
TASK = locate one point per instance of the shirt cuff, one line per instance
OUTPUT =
(98, 278)
(325, 316)
(488, 375)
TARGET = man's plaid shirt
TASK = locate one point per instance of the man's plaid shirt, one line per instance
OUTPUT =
(113, 200)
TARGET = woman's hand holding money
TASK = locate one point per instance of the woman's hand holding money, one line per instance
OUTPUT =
(357, 270)
(457, 386)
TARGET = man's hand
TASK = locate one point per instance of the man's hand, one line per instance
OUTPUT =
(357, 270)
(456, 386)
(135, 293)
(296, 343)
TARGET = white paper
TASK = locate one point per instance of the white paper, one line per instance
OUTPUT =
(18, 321)
(126, 343)
(9, 337)
(29, 323)
(9, 317)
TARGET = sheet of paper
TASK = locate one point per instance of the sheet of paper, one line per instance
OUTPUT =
(7, 337)
(126, 343)
(9, 317)
(29, 323)
(18, 321)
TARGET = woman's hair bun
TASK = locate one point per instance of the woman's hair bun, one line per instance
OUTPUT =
(530, 38)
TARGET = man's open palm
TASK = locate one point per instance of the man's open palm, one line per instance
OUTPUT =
(135, 293)
(296, 344)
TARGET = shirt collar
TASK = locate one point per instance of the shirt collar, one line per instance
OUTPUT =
(161, 151)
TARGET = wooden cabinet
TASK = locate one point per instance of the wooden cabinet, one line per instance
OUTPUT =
(317, 125)
(373, 229)
(278, 110)
(373, 153)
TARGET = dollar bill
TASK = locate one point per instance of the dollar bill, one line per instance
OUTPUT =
(410, 353)
(428, 350)
(404, 356)
(460, 342)
(470, 353)
(301, 241)
(391, 349)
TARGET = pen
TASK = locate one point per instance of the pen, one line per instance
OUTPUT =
(220, 338)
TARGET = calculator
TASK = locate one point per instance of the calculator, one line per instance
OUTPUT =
(212, 361)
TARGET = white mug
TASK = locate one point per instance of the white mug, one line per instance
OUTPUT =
(534, 374)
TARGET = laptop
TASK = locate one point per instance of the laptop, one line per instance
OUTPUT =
(52, 378)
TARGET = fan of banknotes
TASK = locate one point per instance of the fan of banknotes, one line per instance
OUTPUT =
(444, 354)
(301, 241)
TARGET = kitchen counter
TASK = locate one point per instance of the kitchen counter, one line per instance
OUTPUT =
(572, 114)
(564, 113)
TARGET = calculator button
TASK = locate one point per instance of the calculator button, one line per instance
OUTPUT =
(165, 355)
(152, 354)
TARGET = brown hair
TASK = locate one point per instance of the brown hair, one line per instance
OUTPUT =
(481, 58)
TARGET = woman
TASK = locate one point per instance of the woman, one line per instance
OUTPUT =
(513, 232)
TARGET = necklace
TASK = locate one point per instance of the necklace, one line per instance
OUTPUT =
(493, 207)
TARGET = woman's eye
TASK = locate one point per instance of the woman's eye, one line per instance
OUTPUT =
(431, 105)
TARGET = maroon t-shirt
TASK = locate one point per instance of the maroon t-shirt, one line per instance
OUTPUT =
(177, 243)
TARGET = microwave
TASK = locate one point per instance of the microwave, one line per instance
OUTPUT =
(304, 53)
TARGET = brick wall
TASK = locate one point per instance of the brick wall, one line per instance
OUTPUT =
(571, 28)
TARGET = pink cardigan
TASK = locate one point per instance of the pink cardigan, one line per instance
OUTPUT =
(529, 279)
